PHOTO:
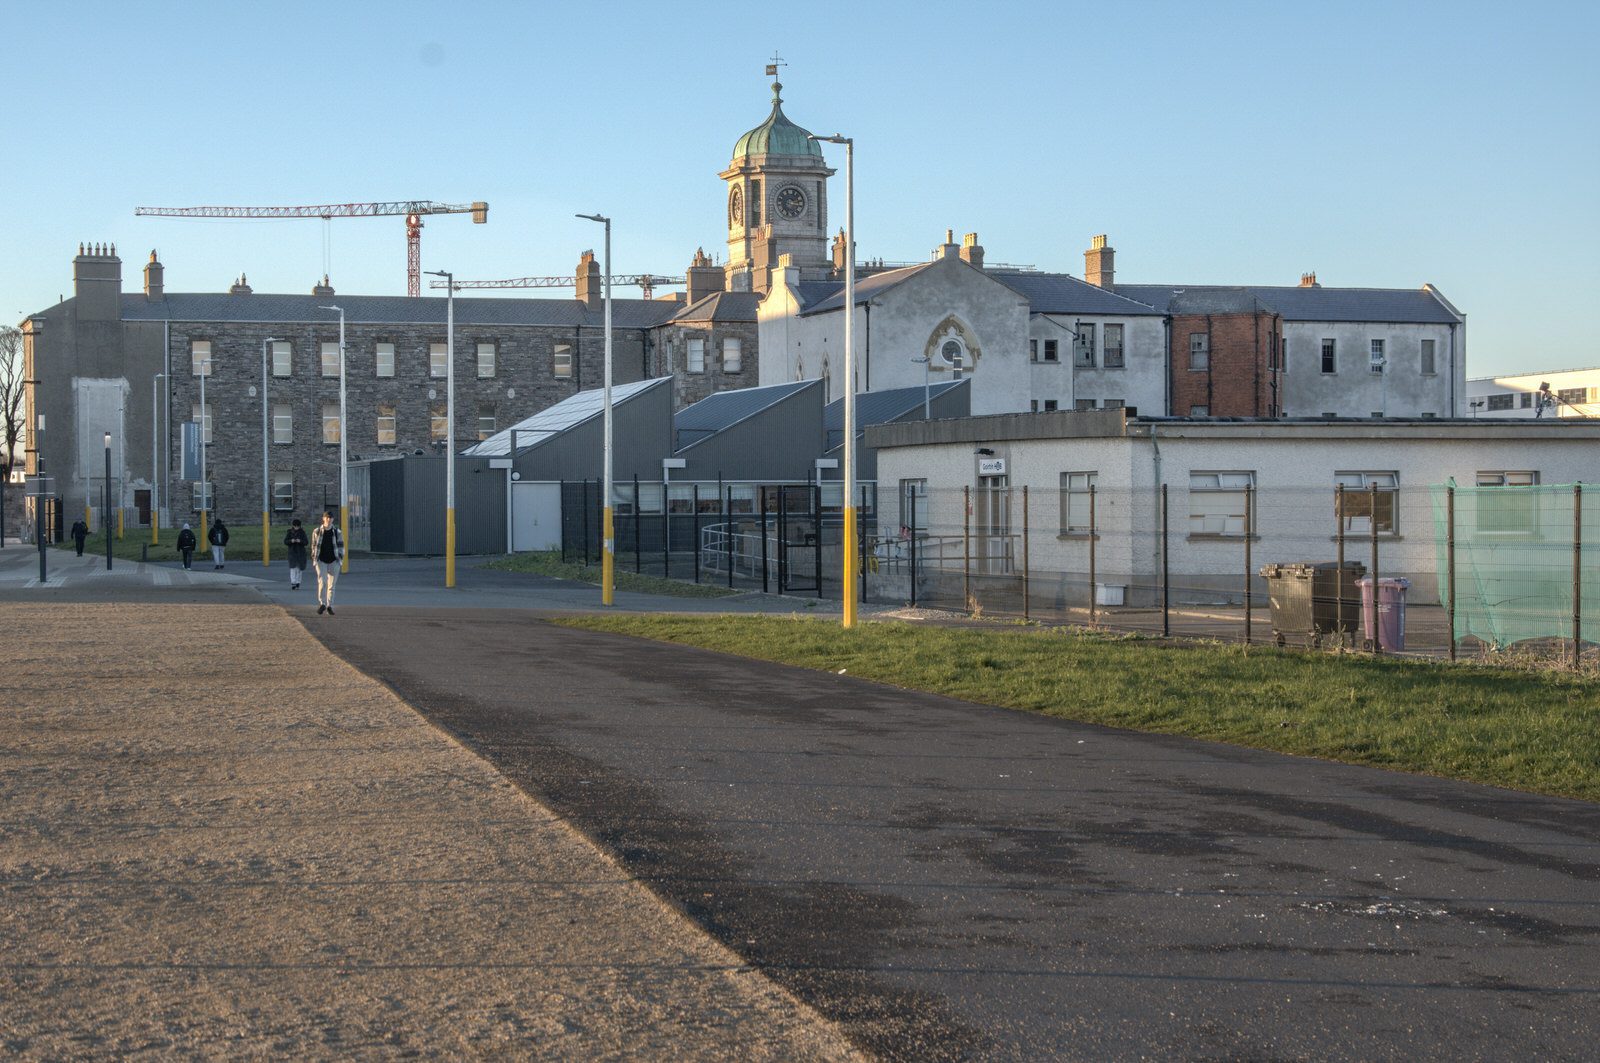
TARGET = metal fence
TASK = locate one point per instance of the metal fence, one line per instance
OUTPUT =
(1457, 569)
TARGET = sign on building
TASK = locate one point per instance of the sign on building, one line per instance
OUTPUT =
(189, 450)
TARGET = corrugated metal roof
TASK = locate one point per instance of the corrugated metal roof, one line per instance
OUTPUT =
(1062, 293)
(722, 306)
(392, 309)
(563, 416)
(719, 412)
(881, 407)
(1389, 305)
(868, 286)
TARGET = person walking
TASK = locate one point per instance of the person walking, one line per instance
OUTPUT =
(186, 545)
(296, 541)
(327, 551)
(80, 532)
(219, 543)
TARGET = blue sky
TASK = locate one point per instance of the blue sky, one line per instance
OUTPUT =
(1382, 145)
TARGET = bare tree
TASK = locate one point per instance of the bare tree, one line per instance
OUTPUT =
(11, 383)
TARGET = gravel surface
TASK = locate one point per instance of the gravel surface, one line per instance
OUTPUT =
(218, 839)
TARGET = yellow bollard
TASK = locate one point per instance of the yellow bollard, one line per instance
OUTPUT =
(119, 524)
(449, 548)
(608, 558)
(155, 526)
(848, 595)
(203, 544)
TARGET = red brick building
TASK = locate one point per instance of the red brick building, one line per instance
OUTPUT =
(1225, 355)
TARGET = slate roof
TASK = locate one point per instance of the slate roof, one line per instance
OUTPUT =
(868, 286)
(721, 411)
(1062, 293)
(392, 309)
(563, 416)
(1389, 305)
(880, 407)
(721, 306)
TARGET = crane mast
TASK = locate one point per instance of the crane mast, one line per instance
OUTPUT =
(647, 282)
(412, 209)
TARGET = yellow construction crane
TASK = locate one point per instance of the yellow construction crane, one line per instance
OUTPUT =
(413, 209)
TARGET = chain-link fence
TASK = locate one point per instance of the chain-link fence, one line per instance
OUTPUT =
(1366, 565)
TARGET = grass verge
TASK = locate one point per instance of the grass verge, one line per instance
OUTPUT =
(549, 563)
(244, 544)
(1528, 730)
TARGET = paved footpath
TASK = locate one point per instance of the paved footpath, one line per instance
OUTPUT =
(217, 839)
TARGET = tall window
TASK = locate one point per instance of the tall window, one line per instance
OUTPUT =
(1329, 360)
(1075, 502)
(755, 203)
(437, 355)
(283, 493)
(204, 499)
(1083, 345)
(383, 357)
(1359, 512)
(1217, 502)
(1375, 360)
(562, 366)
(485, 420)
(205, 429)
(385, 426)
(1033, 350)
(914, 504)
(330, 358)
(732, 356)
(200, 357)
(438, 423)
(1508, 512)
(1426, 359)
(1052, 349)
(697, 355)
(485, 360)
(282, 358)
(1199, 350)
(330, 422)
(1113, 358)
(282, 423)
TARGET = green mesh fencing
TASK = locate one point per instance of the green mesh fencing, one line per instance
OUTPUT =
(1517, 566)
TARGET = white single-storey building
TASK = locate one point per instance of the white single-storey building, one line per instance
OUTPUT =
(956, 485)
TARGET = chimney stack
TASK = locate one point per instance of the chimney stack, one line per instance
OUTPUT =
(242, 287)
(948, 249)
(591, 286)
(702, 278)
(97, 283)
(1309, 280)
(154, 279)
(790, 273)
(971, 251)
(324, 289)
(1099, 264)
(840, 253)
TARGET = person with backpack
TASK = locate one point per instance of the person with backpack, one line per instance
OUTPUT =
(296, 541)
(186, 546)
(80, 532)
(218, 536)
(327, 551)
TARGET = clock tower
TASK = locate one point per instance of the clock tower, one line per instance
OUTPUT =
(777, 202)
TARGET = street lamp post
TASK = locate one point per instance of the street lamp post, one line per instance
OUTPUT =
(344, 463)
(450, 421)
(848, 593)
(108, 502)
(266, 486)
(608, 554)
(155, 458)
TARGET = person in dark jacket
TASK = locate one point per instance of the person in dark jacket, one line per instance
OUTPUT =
(218, 536)
(297, 542)
(80, 532)
(186, 545)
(327, 552)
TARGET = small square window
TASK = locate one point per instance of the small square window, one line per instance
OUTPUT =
(1083, 404)
(1049, 405)
(1199, 411)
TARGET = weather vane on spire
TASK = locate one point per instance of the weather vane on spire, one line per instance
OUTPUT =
(772, 67)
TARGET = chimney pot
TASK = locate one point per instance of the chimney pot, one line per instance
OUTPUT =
(1099, 263)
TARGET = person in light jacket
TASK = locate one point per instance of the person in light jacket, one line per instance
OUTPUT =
(186, 545)
(327, 551)
(296, 541)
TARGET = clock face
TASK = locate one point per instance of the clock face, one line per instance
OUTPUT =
(736, 207)
(791, 202)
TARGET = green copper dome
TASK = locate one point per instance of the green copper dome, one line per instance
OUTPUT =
(777, 135)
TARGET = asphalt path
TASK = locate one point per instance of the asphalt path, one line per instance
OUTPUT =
(951, 881)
